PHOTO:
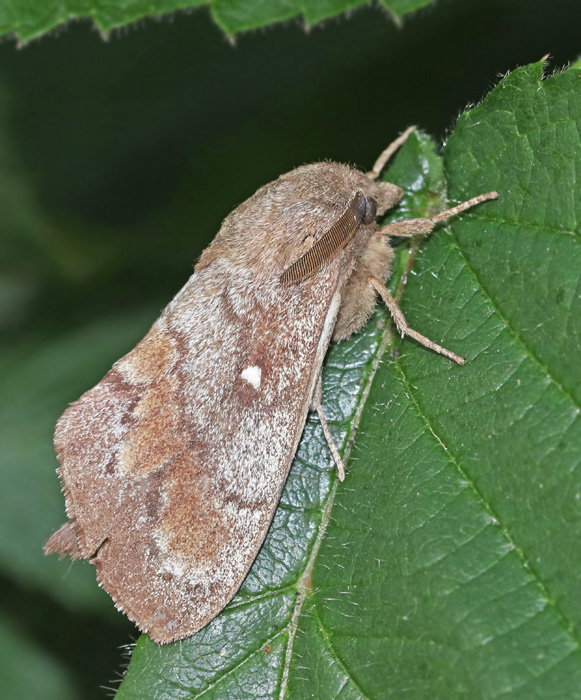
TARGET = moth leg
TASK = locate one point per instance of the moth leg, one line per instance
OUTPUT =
(402, 324)
(373, 174)
(317, 406)
(411, 227)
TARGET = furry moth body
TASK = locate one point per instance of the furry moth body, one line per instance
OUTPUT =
(173, 465)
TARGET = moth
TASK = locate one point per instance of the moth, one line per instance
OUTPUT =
(173, 464)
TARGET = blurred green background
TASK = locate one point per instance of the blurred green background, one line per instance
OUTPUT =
(118, 161)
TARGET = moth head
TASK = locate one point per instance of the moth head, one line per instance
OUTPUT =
(301, 221)
(365, 201)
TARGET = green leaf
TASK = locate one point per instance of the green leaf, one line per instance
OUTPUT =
(32, 19)
(447, 565)
(28, 672)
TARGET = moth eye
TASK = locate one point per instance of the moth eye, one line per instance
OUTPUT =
(370, 210)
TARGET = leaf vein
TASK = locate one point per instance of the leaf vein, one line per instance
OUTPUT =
(528, 351)
(331, 649)
(550, 600)
(519, 223)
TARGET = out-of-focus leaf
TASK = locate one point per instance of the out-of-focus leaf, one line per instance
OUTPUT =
(30, 20)
(27, 672)
(447, 564)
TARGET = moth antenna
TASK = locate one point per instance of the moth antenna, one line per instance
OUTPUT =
(330, 243)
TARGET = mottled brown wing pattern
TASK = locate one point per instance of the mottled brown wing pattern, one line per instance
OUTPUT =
(175, 461)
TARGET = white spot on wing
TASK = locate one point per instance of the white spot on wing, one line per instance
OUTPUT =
(253, 376)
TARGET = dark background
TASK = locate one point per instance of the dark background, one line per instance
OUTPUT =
(119, 159)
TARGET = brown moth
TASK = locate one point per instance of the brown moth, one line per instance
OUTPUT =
(173, 465)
